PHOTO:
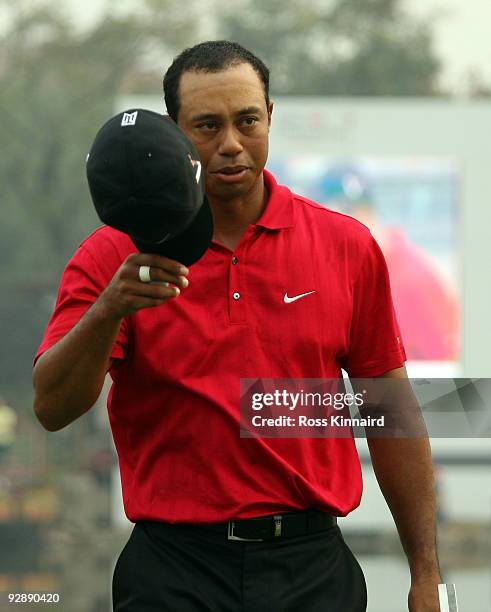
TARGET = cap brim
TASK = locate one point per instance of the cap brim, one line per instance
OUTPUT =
(190, 245)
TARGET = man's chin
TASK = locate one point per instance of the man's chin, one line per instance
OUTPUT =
(216, 188)
(229, 190)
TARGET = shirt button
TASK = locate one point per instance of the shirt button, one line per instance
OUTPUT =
(236, 295)
(235, 261)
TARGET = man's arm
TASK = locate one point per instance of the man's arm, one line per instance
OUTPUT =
(404, 471)
(68, 377)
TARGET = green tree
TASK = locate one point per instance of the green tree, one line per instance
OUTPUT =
(337, 47)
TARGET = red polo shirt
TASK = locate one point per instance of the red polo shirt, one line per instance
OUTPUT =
(174, 403)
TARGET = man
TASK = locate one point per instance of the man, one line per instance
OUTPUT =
(177, 353)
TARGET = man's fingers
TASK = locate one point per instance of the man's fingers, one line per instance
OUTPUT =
(159, 261)
(157, 275)
(153, 291)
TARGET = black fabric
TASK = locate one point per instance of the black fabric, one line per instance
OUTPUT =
(191, 568)
(188, 247)
(289, 525)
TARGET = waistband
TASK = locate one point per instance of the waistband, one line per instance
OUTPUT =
(265, 528)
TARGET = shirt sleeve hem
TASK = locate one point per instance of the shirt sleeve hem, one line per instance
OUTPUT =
(117, 351)
(377, 368)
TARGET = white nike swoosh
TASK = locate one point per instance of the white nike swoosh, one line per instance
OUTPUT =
(288, 300)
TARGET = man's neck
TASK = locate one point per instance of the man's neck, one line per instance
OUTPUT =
(231, 218)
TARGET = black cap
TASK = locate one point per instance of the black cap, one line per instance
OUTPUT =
(146, 180)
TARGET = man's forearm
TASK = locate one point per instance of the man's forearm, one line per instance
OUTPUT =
(404, 470)
(68, 378)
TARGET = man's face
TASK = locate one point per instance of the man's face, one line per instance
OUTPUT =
(225, 116)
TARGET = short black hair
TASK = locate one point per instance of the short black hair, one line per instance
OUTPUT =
(209, 56)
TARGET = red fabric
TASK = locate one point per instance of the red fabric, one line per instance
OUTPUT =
(174, 404)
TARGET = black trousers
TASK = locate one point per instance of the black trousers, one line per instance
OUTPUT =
(191, 568)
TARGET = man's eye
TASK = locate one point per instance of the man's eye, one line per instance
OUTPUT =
(208, 125)
(249, 121)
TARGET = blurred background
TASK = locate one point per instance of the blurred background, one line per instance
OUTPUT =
(382, 111)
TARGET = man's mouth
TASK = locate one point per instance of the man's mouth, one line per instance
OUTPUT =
(231, 170)
(231, 174)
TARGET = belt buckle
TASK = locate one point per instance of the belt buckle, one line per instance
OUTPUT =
(231, 536)
(277, 525)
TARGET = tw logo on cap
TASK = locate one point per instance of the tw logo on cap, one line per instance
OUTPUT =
(129, 118)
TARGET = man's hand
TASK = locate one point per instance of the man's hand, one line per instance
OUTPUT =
(423, 596)
(126, 293)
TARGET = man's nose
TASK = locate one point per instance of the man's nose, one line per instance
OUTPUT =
(230, 143)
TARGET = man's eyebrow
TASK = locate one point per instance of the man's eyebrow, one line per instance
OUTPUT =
(214, 116)
(205, 116)
(249, 110)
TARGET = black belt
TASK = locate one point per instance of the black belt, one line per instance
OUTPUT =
(280, 526)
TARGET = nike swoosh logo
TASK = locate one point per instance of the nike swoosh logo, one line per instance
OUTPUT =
(289, 300)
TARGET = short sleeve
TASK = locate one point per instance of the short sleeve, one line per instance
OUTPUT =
(375, 343)
(82, 282)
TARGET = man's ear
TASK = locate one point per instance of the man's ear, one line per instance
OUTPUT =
(270, 112)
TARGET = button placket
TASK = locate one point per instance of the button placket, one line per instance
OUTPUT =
(236, 293)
